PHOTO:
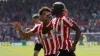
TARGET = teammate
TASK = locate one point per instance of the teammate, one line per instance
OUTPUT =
(48, 40)
(38, 45)
(36, 20)
(61, 26)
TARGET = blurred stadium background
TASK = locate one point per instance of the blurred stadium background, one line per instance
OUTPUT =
(85, 12)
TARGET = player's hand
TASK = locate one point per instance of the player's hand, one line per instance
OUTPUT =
(65, 11)
(72, 48)
(17, 26)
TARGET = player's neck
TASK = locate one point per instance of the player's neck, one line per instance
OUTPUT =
(59, 15)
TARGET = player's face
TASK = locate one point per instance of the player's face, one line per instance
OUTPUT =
(35, 21)
(44, 15)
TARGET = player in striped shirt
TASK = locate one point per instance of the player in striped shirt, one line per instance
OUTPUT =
(61, 26)
(49, 40)
(38, 44)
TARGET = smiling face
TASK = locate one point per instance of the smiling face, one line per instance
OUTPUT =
(45, 15)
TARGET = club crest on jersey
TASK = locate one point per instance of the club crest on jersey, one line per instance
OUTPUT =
(58, 33)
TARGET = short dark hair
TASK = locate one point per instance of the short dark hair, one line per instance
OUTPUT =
(35, 16)
(58, 8)
(44, 9)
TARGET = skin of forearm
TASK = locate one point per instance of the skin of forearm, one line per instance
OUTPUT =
(77, 36)
(22, 33)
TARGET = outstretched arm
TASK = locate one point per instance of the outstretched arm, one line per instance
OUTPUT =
(17, 26)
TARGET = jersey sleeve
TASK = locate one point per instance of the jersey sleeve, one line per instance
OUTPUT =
(35, 29)
(68, 21)
(50, 23)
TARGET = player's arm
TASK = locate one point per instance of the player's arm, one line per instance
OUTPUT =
(77, 35)
(73, 25)
(28, 34)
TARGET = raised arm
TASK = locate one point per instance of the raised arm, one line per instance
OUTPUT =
(28, 34)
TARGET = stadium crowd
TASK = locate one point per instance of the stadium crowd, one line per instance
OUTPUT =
(22, 10)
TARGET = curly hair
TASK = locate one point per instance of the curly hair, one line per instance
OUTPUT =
(44, 9)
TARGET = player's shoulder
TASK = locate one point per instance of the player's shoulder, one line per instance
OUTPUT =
(54, 19)
(40, 22)
(37, 25)
(66, 18)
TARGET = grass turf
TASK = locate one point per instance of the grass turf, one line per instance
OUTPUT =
(28, 51)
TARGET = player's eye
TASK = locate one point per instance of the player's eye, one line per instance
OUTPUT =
(44, 14)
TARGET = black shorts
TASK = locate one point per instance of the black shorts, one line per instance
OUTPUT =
(66, 53)
(38, 47)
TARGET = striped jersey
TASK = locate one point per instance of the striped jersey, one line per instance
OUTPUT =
(61, 27)
(49, 41)
(37, 40)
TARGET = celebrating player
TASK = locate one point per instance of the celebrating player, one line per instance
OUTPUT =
(61, 26)
(38, 44)
(48, 40)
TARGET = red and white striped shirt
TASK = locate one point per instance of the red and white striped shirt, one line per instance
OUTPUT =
(37, 40)
(49, 40)
(62, 26)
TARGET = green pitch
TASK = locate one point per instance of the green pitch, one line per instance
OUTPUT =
(28, 51)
